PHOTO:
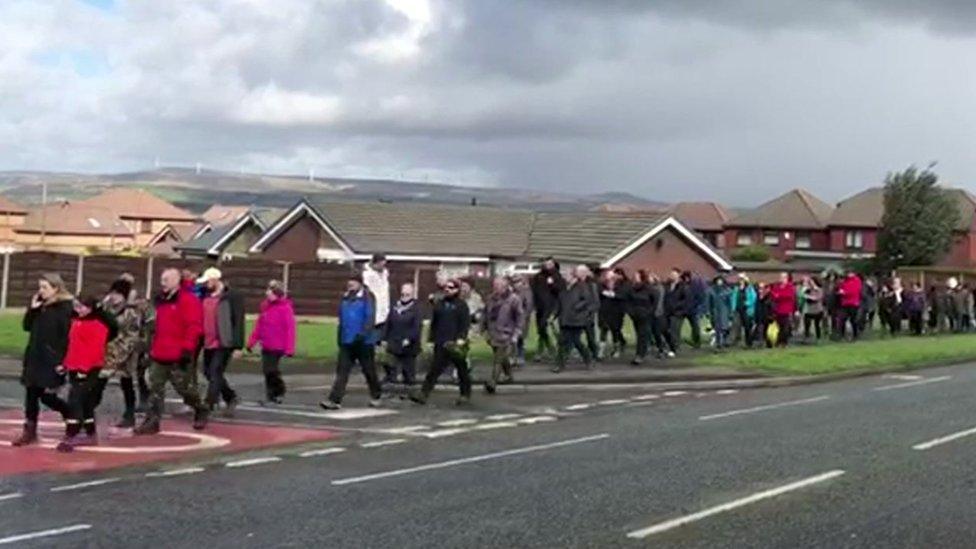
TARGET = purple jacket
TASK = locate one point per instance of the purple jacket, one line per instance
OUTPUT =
(275, 328)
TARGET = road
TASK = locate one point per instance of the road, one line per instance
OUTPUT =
(882, 461)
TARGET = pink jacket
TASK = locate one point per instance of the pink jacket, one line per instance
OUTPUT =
(784, 298)
(275, 328)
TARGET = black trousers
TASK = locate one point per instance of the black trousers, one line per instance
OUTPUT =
(83, 396)
(441, 361)
(915, 322)
(33, 398)
(894, 322)
(406, 365)
(571, 337)
(747, 326)
(851, 315)
(785, 323)
(661, 333)
(815, 321)
(274, 385)
(542, 330)
(214, 366)
(591, 341)
(612, 324)
(350, 355)
(642, 327)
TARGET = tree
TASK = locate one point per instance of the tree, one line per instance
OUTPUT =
(919, 219)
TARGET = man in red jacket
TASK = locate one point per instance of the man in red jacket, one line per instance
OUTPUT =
(179, 324)
(849, 291)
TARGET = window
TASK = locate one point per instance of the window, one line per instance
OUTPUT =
(454, 269)
(771, 238)
(743, 239)
(145, 226)
(94, 223)
(802, 241)
(854, 240)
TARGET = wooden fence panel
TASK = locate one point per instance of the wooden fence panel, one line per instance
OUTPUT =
(27, 267)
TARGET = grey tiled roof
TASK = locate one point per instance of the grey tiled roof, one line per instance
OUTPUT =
(797, 209)
(866, 208)
(587, 237)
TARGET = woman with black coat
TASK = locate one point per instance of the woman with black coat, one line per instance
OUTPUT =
(48, 320)
(640, 308)
(401, 334)
(613, 308)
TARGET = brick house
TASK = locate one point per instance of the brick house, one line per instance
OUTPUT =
(142, 211)
(74, 227)
(792, 225)
(706, 218)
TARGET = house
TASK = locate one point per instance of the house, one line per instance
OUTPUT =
(163, 243)
(651, 241)
(142, 211)
(74, 227)
(229, 239)
(856, 221)
(706, 218)
(480, 241)
(792, 225)
(11, 215)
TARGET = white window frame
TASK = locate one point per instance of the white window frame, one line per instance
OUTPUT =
(854, 239)
(770, 238)
(803, 241)
(743, 239)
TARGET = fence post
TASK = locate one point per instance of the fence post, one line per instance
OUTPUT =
(416, 279)
(149, 276)
(285, 274)
(80, 274)
(5, 286)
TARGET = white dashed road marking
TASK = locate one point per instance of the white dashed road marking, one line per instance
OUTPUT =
(379, 443)
(613, 402)
(444, 433)
(88, 484)
(250, 462)
(502, 417)
(457, 422)
(321, 452)
(764, 408)
(495, 425)
(175, 472)
(675, 393)
(15, 495)
(44, 533)
(646, 397)
(912, 383)
(942, 440)
(579, 407)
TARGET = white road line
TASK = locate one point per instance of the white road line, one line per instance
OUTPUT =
(726, 391)
(444, 433)
(536, 419)
(646, 397)
(681, 521)
(175, 472)
(942, 440)
(89, 484)
(44, 533)
(250, 462)
(13, 495)
(345, 413)
(321, 452)
(675, 393)
(406, 430)
(912, 383)
(495, 425)
(579, 407)
(379, 443)
(612, 402)
(457, 422)
(764, 408)
(903, 377)
(502, 417)
(473, 459)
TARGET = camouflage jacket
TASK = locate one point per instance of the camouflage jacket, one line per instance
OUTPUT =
(131, 320)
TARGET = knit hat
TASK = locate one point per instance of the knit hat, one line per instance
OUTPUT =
(121, 286)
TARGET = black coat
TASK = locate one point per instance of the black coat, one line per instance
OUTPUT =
(47, 344)
(678, 300)
(450, 321)
(546, 287)
(641, 302)
(576, 306)
(404, 323)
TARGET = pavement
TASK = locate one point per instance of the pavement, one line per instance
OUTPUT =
(875, 461)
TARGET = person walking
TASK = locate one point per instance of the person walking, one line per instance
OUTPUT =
(547, 285)
(223, 335)
(698, 289)
(449, 327)
(613, 307)
(189, 284)
(476, 306)
(719, 300)
(744, 309)
(47, 321)
(524, 291)
(376, 277)
(178, 326)
(590, 332)
(678, 304)
(783, 297)
(356, 335)
(274, 331)
(850, 293)
(122, 355)
(660, 331)
(574, 310)
(402, 335)
(91, 330)
(503, 321)
(813, 296)
(640, 309)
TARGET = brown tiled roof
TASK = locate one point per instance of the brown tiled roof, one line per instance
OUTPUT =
(139, 204)
(9, 206)
(220, 214)
(796, 209)
(75, 218)
(587, 237)
(866, 208)
(429, 229)
(701, 216)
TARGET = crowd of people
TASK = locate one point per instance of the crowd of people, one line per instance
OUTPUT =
(197, 323)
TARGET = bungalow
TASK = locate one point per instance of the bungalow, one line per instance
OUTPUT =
(143, 212)
(11, 215)
(791, 225)
(229, 239)
(74, 228)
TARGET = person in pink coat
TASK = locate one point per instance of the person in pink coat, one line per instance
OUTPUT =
(783, 297)
(275, 332)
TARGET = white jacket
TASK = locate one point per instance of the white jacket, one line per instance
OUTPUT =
(378, 283)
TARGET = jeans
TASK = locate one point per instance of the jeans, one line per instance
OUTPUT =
(214, 365)
(571, 337)
(349, 355)
(274, 385)
(35, 396)
(444, 358)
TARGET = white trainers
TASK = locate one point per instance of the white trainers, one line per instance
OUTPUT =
(329, 405)
(670, 354)
(375, 403)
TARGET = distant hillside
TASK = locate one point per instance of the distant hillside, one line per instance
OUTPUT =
(195, 191)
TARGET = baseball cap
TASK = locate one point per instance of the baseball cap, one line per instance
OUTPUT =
(213, 273)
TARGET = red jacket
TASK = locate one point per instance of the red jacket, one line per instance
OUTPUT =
(86, 344)
(850, 291)
(784, 298)
(179, 325)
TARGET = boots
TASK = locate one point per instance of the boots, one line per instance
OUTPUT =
(128, 420)
(150, 425)
(200, 417)
(28, 436)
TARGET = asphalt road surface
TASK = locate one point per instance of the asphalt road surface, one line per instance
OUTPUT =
(883, 461)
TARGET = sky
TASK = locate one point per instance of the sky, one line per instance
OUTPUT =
(733, 101)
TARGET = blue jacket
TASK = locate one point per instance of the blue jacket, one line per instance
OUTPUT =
(720, 307)
(356, 318)
(699, 295)
(748, 300)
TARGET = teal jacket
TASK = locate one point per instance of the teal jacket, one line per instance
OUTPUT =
(720, 306)
(748, 302)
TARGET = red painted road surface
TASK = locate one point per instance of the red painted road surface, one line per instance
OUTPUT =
(118, 448)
